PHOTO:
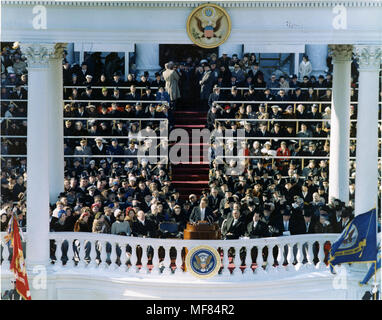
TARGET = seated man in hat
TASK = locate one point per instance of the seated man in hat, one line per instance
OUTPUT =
(157, 82)
(117, 81)
(83, 149)
(285, 225)
(309, 223)
(216, 95)
(134, 94)
(115, 149)
(238, 73)
(337, 207)
(346, 217)
(323, 225)
(88, 80)
(148, 95)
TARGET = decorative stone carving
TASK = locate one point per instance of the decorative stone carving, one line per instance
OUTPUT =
(368, 57)
(38, 55)
(341, 52)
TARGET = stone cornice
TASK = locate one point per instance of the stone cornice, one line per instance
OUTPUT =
(192, 4)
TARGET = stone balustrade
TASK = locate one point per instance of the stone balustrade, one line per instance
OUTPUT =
(150, 257)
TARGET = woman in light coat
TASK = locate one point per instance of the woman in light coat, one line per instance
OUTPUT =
(305, 67)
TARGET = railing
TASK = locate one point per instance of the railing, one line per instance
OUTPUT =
(160, 257)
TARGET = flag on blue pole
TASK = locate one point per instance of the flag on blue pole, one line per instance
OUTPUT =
(357, 242)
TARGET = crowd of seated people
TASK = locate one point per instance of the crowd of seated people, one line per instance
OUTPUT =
(117, 193)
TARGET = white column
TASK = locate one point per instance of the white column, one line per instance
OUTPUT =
(82, 56)
(230, 49)
(366, 183)
(340, 123)
(296, 62)
(317, 54)
(147, 58)
(70, 50)
(55, 122)
(127, 63)
(37, 246)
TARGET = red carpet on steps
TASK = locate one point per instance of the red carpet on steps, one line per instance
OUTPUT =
(192, 176)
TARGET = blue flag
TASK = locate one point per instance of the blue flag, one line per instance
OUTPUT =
(373, 270)
(358, 241)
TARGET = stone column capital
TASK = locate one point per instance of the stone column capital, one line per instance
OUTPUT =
(341, 52)
(38, 54)
(368, 57)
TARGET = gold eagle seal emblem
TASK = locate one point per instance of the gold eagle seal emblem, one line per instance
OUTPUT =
(203, 262)
(208, 26)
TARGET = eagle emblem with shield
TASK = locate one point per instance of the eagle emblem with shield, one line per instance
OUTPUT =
(203, 262)
(208, 26)
(350, 238)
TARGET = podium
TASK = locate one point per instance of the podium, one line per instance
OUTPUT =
(202, 230)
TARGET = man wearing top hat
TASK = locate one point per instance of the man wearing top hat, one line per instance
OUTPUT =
(308, 226)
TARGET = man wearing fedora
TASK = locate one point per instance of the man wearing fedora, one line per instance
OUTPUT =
(206, 84)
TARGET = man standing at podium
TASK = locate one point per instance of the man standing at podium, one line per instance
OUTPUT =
(202, 212)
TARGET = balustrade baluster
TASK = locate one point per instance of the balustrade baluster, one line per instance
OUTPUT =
(280, 258)
(259, 260)
(58, 254)
(321, 256)
(299, 256)
(167, 261)
(103, 264)
(225, 271)
(71, 262)
(237, 262)
(123, 258)
(93, 255)
(133, 259)
(155, 261)
(6, 255)
(82, 254)
(113, 255)
(178, 260)
(310, 255)
(248, 272)
(289, 255)
(144, 260)
(270, 259)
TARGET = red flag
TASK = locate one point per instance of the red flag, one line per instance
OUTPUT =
(18, 263)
